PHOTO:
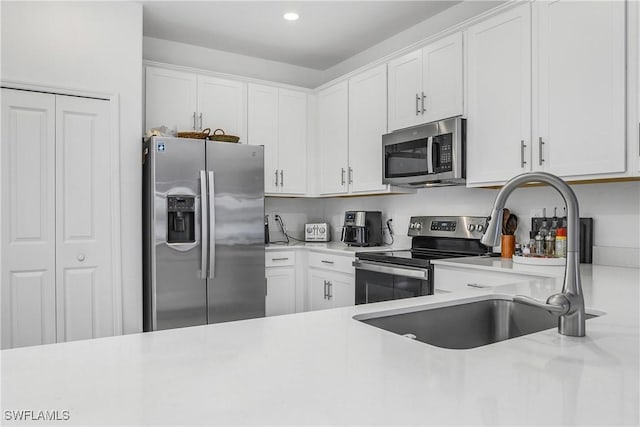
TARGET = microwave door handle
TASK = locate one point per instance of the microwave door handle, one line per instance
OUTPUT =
(430, 155)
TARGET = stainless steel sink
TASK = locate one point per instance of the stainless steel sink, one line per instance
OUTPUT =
(466, 325)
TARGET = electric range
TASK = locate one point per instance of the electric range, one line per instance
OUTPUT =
(387, 275)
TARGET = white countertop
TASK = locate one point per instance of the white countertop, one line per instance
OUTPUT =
(325, 368)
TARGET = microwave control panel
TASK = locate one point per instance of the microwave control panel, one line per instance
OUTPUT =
(443, 153)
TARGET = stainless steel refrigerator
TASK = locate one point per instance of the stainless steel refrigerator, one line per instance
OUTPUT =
(203, 232)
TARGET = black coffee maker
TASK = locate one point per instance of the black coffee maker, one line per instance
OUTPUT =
(362, 228)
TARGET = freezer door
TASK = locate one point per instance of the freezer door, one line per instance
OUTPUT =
(236, 284)
(177, 296)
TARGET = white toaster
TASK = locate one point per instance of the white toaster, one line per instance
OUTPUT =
(317, 232)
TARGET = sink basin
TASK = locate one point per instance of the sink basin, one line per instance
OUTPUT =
(465, 325)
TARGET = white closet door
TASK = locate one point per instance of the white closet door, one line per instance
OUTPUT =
(28, 221)
(85, 282)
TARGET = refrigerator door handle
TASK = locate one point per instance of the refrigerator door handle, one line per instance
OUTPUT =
(204, 223)
(212, 222)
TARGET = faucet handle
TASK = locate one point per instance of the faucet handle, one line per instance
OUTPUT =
(556, 304)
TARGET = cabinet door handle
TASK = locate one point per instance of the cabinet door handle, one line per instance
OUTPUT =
(423, 97)
(350, 175)
(342, 176)
(266, 287)
(194, 120)
(200, 121)
(330, 286)
(417, 108)
(279, 259)
(281, 178)
(540, 144)
(325, 289)
(276, 177)
(522, 147)
(326, 262)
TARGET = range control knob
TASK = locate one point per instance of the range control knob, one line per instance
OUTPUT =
(322, 229)
(480, 228)
(471, 227)
(418, 225)
(309, 229)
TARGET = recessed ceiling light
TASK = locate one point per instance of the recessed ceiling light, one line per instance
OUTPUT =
(291, 16)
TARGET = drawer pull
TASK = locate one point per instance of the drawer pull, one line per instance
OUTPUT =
(279, 259)
(475, 285)
(327, 262)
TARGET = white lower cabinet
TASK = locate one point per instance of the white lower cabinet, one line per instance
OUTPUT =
(280, 273)
(281, 291)
(330, 290)
(330, 281)
(455, 279)
(58, 183)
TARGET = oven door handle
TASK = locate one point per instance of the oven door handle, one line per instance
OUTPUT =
(378, 267)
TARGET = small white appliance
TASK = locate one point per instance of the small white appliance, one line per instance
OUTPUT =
(317, 232)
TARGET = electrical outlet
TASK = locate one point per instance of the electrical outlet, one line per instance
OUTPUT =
(536, 213)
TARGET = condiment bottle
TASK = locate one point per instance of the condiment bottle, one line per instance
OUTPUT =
(561, 243)
(539, 244)
(549, 245)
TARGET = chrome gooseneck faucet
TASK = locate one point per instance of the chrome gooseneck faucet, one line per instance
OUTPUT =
(569, 304)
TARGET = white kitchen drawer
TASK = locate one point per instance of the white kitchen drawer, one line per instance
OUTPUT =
(280, 258)
(453, 279)
(341, 263)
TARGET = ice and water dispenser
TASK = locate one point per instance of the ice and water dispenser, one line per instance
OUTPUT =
(181, 219)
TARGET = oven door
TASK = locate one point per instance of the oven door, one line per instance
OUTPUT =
(376, 281)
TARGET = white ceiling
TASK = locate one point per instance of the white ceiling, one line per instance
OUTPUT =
(327, 33)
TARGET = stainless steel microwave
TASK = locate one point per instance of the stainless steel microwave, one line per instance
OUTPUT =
(427, 155)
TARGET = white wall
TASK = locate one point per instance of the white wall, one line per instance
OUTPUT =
(186, 55)
(95, 47)
(615, 208)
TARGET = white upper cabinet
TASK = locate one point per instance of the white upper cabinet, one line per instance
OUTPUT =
(333, 139)
(564, 113)
(498, 96)
(367, 124)
(442, 78)
(579, 87)
(292, 141)
(277, 119)
(426, 85)
(262, 129)
(170, 99)
(405, 80)
(352, 117)
(221, 105)
(185, 101)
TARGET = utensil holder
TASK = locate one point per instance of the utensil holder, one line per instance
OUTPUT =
(507, 245)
